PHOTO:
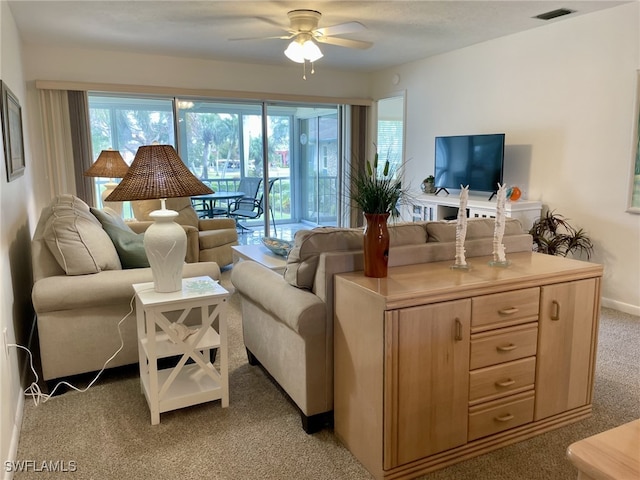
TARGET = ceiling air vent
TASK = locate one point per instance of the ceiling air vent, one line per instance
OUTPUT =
(554, 14)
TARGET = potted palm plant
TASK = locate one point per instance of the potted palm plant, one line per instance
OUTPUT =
(378, 194)
(552, 234)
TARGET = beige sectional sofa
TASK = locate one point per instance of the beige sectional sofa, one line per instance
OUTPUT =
(82, 290)
(288, 319)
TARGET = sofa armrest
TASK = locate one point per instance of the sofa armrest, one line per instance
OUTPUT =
(106, 288)
(193, 244)
(216, 223)
(300, 310)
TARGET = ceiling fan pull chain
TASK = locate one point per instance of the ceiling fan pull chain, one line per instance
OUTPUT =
(312, 69)
(304, 70)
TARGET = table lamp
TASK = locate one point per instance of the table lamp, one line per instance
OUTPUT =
(111, 165)
(158, 172)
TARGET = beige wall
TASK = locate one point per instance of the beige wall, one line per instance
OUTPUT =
(564, 95)
(44, 63)
(16, 210)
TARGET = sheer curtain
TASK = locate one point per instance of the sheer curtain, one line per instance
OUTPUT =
(67, 142)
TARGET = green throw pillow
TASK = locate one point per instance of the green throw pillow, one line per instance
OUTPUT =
(128, 243)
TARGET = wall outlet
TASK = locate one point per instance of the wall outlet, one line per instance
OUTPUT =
(5, 343)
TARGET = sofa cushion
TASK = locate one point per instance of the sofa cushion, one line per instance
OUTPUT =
(445, 231)
(129, 244)
(76, 238)
(186, 214)
(309, 244)
(407, 234)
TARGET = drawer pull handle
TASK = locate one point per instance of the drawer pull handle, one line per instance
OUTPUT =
(506, 348)
(555, 312)
(505, 383)
(508, 311)
(458, 330)
(504, 418)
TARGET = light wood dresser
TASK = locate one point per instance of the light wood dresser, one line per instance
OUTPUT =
(435, 365)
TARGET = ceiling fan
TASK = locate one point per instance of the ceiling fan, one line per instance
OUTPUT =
(303, 32)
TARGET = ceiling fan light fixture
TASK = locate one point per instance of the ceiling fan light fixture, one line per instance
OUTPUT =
(311, 51)
(301, 50)
(294, 52)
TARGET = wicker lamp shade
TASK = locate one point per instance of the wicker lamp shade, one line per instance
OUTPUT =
(109, 164)
(157, 172)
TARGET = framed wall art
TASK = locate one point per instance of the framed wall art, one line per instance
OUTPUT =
(11, 113)
(634, 191)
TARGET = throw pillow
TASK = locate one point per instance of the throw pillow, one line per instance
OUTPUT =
(302, 261)
(128, 244)
(76, 239)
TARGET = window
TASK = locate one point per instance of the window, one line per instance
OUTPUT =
(222, 142)
(390, 127)
(126, 123)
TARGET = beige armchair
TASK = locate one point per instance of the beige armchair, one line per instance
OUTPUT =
(208, 239)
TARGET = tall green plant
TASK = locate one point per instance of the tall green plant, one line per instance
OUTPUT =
(376, 192)
(552, 234)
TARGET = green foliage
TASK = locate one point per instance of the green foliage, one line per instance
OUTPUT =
(378, 193)
(553, 235)
(126, 129)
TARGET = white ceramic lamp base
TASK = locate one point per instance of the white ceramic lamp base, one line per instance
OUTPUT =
(165, 243)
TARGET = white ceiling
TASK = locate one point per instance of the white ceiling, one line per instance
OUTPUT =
(402, 31)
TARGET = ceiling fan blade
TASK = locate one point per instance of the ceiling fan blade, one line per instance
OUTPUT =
(273, 22)
(281, 37)
(345, 42)
(341, 29)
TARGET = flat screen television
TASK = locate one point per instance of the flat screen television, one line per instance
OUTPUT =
(474, 160)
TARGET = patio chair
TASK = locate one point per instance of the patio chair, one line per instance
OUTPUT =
(205, 206)
(251, 207)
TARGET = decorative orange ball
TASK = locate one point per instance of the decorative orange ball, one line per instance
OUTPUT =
(516, 193)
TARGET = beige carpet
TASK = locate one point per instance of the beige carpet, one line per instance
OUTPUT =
(107, 430)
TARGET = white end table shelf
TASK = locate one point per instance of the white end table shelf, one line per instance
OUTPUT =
(183, 385)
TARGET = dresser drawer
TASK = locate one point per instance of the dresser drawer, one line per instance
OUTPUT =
(504, 309)
(503, 345)
(497, 381)
(493, 417)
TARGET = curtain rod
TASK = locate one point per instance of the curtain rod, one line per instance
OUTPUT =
(189, 92)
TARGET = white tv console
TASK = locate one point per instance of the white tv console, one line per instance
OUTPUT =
(443, 207)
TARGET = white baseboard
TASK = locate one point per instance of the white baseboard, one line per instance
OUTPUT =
(17, 422)
(621, 307)
(15, 437)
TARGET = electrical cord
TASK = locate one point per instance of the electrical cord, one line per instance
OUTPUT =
(34, 390)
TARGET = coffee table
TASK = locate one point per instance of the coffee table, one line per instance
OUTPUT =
(259, 254)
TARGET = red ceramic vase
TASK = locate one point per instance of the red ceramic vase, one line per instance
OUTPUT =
(376, 245)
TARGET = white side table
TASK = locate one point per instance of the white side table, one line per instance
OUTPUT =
(182, 385)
